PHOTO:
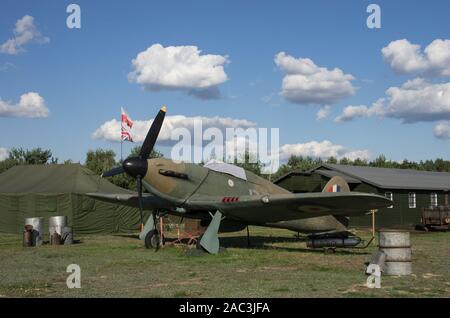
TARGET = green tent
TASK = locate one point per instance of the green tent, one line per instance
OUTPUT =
(50, 190)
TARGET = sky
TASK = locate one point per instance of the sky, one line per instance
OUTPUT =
(313, 69)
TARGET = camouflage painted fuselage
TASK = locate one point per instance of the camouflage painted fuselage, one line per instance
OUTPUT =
(179, 182)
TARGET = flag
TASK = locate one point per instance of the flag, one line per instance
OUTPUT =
(125, 119)
(125, 135)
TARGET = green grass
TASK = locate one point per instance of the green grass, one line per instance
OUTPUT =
(276, 265)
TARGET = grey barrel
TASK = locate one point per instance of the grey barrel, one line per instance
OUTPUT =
(396, 244)
(67, 235)
(60, 233)
(55, 226)
(35, 233)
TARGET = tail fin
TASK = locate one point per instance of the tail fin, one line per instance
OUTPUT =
(336, 184)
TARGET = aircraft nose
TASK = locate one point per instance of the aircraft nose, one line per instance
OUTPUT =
(135, 166)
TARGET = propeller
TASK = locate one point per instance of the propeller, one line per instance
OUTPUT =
(136, 167)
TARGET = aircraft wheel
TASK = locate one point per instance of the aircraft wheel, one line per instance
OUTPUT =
(152, 239)
(329, 250)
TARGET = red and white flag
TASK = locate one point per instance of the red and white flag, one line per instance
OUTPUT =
(126, 120)
(125, 135)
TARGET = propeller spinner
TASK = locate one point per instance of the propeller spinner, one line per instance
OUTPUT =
(136, 167)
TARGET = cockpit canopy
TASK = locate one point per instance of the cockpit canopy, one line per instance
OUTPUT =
(223, 167)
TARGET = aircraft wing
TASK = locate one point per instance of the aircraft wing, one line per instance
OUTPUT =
(149, 201)
(291, 206)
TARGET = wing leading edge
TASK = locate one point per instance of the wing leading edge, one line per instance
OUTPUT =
(149, 201)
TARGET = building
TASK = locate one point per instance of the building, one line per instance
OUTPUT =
(51, 190)
(410, 190)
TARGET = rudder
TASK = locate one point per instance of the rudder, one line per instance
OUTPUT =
(336, 184)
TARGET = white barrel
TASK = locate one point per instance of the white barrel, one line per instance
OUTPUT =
(56, 224)
(396, 244)
(37, 223)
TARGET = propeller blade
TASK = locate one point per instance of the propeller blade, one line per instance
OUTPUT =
(112, 172)
(152, 134)
(141, 209)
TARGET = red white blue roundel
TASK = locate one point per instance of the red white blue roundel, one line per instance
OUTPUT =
(334, 188)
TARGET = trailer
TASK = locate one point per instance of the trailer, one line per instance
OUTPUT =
(436, 218)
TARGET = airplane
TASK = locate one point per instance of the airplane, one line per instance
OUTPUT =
(227, 198)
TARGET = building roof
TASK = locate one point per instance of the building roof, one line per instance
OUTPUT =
(54, 178)
(327, 173)
(331, 173)
(387, 178)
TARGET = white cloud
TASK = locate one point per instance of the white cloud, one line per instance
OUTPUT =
(6, 66)
(416, 100)
(442, 130)
(405, 57)
(179, 68)
(307, 83)
(30, 105)
(323, 112)
(323, 149)
(267, 98)
(4, 153)
(24, 33)
(110, 130)
(351, 112)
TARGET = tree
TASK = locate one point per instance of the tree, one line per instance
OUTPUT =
(345, 161)
(360, 162)
(100, 160)
(331, 160)
(136, 150)
(35, 156)
(249, 163)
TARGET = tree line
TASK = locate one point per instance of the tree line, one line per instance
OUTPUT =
(301, 163)
(101, 160)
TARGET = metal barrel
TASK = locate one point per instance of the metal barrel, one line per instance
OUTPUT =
(55, 227)
(396, 244)
(36, 233)
(67, 235)
(56, 223)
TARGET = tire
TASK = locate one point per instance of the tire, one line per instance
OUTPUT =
(152, 239)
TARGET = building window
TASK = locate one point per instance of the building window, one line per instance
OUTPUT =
(412, 200)
(390, 196)
(434, 200)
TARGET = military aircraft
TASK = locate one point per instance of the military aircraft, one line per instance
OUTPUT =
(227, 198)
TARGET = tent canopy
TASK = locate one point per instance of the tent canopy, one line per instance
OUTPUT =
(50, 190)
(64, 178)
